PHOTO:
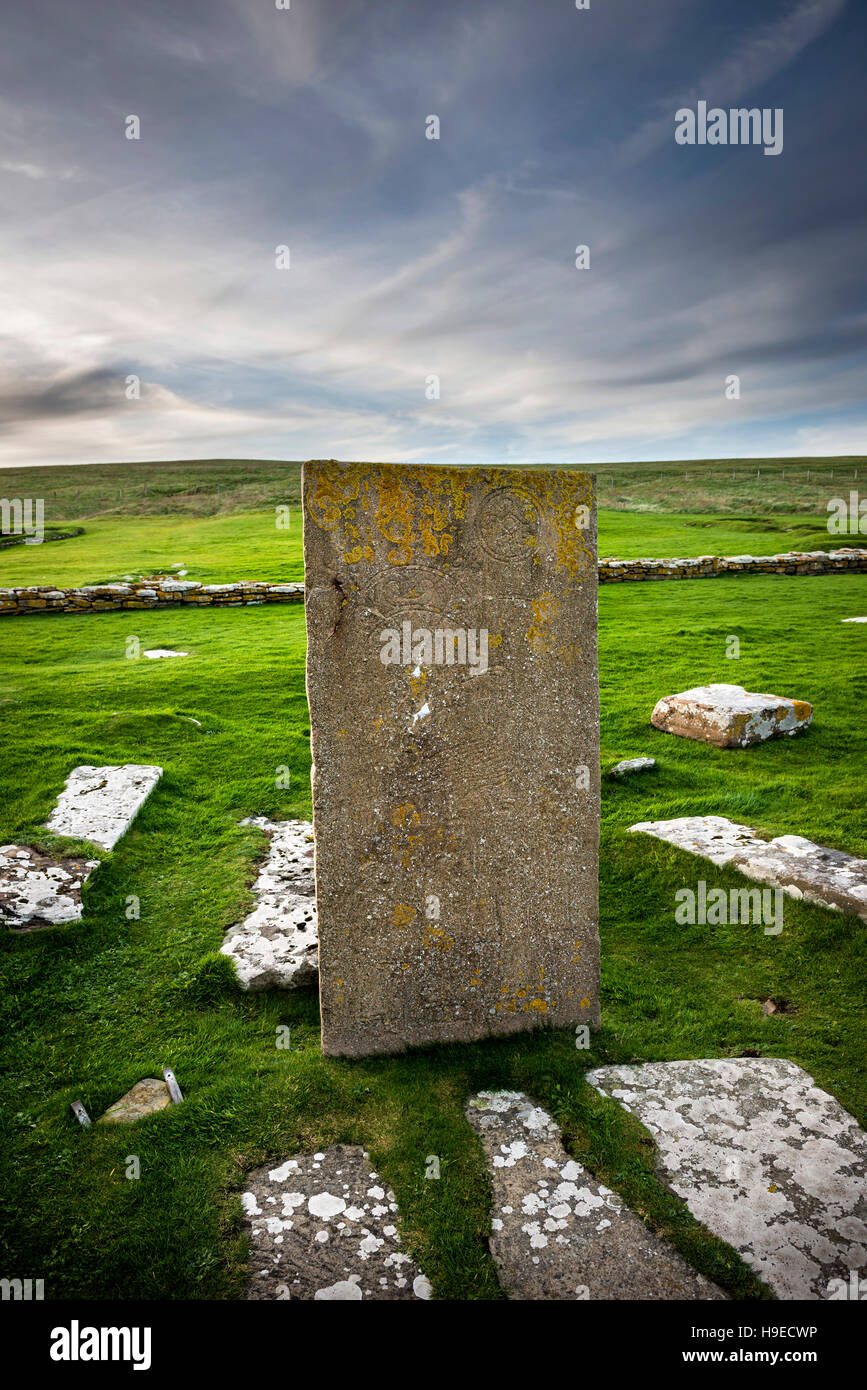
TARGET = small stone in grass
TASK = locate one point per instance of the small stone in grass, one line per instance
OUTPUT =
(632, 765)
(145, 1098)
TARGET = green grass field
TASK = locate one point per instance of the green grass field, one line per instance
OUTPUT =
(219, 518)
(249, 545)
(89, 1009)
(207, 487)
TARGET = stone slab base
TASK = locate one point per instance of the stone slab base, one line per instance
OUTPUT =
(802, 869)
(556, 1233)
(762, 1157)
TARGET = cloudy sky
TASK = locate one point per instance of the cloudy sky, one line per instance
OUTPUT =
(412, 258)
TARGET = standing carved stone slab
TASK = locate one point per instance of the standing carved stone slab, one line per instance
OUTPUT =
(453, 691)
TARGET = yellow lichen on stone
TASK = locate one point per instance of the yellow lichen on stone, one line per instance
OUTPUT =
(413, 518)
(540, 637)
(405, 515)
(561, 497)
(361, 552)
(417, 683)
(437, 936)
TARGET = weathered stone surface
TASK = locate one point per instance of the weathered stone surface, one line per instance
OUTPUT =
(556, 1233)
(277, 946)
(799, 867)
(323, 1226)
(37, 890)
(100, 803)
(145, 1098)
(632, 765)
(729, 716)
(763, 1157)
(456, 805)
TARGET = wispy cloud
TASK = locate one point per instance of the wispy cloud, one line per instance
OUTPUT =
(755, 59)
(413, 258)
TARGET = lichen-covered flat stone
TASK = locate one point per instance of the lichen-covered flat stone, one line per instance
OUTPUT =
(38, 890)
(762, 1157)
(632, 765)
(100, 803)
(556, 1233)
(729, 716)
(799, 867)
(323, 1226)
(277, 945)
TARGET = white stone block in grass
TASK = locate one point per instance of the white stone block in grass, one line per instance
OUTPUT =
(632, 765)
(729, 716)
(277, 945)
(829, 877)
(100, 803)
(37, 890)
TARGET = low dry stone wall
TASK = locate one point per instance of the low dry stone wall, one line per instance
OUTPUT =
(166, 593)
(148, 593)
(848, 560)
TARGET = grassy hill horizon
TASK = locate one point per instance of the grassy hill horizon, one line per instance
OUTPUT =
(201, 487)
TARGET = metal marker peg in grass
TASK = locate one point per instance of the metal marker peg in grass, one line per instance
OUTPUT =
(80, 1114)
(172, 1083)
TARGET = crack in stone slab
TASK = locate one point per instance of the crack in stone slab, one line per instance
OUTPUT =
(802, 869)
(37, 890)
(556, 1233)
(323, 1227)
(763, 1157)
(277, 945)
(100, 803)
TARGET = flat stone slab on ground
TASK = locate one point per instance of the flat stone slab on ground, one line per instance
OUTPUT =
(453, 692)
(37, 890)
(556, 1232)
(632, 765)
(729, 716)
(762, 1157)
(324, 1226)
(799, 867)
(100, 803)
(277, 946)
(145, 1098)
